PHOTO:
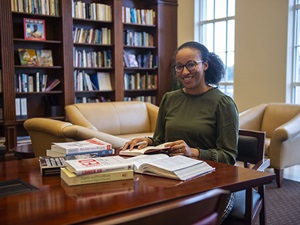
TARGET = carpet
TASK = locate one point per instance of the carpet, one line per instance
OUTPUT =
(283, 204)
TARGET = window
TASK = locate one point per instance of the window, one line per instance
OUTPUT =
(216, 30)
(296, 56)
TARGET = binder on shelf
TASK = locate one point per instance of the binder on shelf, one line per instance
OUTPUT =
(23, 108)
(18, 108)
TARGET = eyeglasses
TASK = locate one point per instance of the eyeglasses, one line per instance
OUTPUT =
(190, 65)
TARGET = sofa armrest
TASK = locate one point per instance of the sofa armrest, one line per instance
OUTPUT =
(251, 119)
(46, 125)
(82, 133)
(43, 132)
(76, 117)
(152, 112)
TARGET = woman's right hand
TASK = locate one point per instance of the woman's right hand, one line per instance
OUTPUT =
(138, 143)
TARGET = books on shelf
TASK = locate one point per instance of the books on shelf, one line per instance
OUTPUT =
(51, 165)
(52, 84)
(147, 150)
(75, 147)
(45, 7)
(44, 57)
(72, 179)
(176, 167)
(98, 165)
(93, 11)
(27, 57)
(101, 80)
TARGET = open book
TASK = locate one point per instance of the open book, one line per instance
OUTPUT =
(147, 150)
(176, 167)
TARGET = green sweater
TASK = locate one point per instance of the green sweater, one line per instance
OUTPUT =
(208, 122)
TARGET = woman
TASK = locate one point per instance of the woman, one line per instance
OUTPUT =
(197, 120)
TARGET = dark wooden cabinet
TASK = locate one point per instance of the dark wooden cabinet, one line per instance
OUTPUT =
(59, 30)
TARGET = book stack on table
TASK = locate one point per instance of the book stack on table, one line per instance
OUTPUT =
(95, 170)
(81, 149)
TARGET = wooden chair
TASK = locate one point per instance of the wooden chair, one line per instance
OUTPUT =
(198, 209)
(249, 204)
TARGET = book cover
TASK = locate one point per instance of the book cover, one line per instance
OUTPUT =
(27, 57)
(147, 150)
(132, 60)
(98, 165)
(81, 146)
(51, 165)
(71, 179)
(175, 167)
(34, 29)
(44, 58)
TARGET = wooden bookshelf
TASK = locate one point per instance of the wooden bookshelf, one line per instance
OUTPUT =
(59, 39)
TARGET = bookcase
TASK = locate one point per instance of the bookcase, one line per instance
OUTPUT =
(83, 56)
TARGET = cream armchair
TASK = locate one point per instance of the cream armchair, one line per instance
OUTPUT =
(44, 131)
(281, 122)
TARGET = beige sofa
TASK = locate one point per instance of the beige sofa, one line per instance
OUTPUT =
(281, 122)
(121, 119)
(114, 122)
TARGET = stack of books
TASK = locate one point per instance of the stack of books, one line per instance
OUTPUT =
(96, 170)
(89, 148)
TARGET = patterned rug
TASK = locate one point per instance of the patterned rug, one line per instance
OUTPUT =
(283, 204)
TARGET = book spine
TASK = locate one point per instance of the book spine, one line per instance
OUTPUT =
(104, 169)
(97, 178)
(96, 153)
(50, 171)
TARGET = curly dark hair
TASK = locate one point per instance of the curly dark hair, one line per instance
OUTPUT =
(216, 68)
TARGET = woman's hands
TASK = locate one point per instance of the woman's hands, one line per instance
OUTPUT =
(137, 143)
(179, 147)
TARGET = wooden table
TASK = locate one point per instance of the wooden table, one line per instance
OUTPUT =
(56, 203)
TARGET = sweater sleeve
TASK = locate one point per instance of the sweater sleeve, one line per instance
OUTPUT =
(227, 133)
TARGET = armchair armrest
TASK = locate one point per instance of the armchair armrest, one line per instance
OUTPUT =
(287, 130)
(152, 112)
(251, 118)
(82, 133)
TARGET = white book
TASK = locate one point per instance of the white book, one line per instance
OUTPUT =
(146, 150)
(37, 82)
(23, 108)
(81, 146)
(98, 165)
(176, 167)
(104, 82)
(18, 107)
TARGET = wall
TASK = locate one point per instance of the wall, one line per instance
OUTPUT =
(260, 50)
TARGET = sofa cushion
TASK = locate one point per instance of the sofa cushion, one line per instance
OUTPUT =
(116, 118)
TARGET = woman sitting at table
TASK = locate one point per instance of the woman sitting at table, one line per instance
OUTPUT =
(198, 120)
